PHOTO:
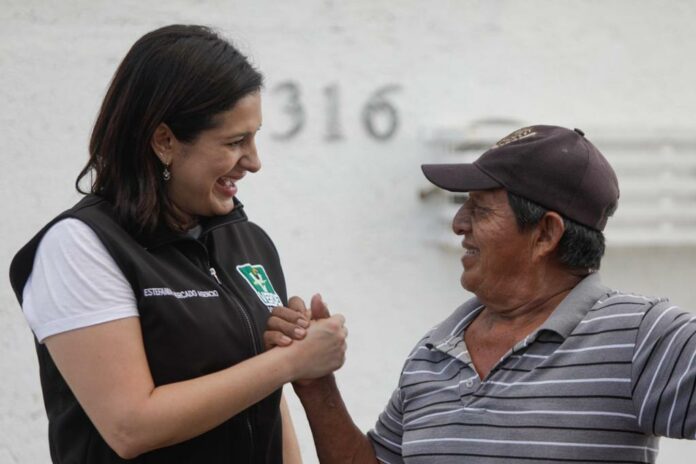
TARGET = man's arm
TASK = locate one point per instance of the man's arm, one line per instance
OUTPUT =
(664, 372)
(336, 437)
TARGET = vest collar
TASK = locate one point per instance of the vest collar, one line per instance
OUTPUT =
(164, 235)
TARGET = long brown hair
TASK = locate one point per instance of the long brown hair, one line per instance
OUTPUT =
(180, 75)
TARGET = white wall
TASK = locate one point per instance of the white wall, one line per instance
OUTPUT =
(345, 214)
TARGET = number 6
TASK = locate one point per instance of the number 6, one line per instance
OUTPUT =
(378, 108)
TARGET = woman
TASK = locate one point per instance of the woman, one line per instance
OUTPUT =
(149, 297)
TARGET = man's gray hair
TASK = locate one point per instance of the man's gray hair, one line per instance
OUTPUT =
(580, 247)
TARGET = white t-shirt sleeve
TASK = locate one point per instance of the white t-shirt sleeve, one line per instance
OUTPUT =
(74, 283)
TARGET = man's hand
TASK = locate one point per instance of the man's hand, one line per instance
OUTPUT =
(291, 323)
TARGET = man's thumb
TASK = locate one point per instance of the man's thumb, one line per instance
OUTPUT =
(319, 308)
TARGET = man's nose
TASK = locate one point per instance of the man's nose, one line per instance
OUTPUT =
(461, 224)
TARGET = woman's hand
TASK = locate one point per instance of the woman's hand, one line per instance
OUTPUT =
(322, 346)
(322, 350)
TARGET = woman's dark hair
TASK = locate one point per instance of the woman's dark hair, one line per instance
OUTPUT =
(179, 75)
(580, 247)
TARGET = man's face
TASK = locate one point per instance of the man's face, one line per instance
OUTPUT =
(498, 261)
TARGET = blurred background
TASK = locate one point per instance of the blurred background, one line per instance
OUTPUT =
(358, 94)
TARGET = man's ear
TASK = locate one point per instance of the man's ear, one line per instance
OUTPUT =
(548, 233)
(162, 143)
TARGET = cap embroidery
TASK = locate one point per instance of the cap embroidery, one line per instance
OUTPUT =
(517, 135)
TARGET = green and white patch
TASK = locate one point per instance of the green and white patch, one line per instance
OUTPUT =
(255, 275)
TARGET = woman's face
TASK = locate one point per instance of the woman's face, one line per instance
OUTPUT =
(205, 173)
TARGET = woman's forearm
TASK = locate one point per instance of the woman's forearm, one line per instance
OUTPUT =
(291, 449)
(180, 411)
(107, 370)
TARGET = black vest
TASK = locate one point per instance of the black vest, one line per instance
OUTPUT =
(199, 314)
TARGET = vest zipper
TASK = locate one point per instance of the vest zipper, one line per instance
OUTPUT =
(214, 274)
(247, 319)
(251, 434)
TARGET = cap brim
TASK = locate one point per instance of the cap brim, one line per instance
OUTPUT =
(459, 177)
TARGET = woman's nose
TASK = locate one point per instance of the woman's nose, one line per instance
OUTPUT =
(252, 162)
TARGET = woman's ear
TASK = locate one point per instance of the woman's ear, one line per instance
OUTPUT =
(162, 143)
(549, 232)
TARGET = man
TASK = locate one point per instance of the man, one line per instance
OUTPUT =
(544, 364)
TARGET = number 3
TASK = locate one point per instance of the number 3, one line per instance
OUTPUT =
(293, 108)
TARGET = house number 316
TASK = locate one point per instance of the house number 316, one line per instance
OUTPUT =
(380, 118)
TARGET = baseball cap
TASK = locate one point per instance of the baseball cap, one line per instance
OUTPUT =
(552, 166)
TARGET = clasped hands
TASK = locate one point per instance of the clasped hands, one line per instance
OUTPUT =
(318, 337)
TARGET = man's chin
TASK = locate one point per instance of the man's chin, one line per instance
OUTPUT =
(466, 283)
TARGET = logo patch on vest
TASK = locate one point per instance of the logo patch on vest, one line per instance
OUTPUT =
(255, 275)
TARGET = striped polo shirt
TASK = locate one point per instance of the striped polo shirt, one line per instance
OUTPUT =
(599, 381)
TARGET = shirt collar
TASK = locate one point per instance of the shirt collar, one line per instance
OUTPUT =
(457, 321)
(575, 306)
(562, 321)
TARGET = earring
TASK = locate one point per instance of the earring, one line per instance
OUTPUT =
(166, 174)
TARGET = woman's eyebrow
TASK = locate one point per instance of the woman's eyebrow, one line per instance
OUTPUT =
(240, 134)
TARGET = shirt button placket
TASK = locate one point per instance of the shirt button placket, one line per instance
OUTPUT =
(467, 386)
